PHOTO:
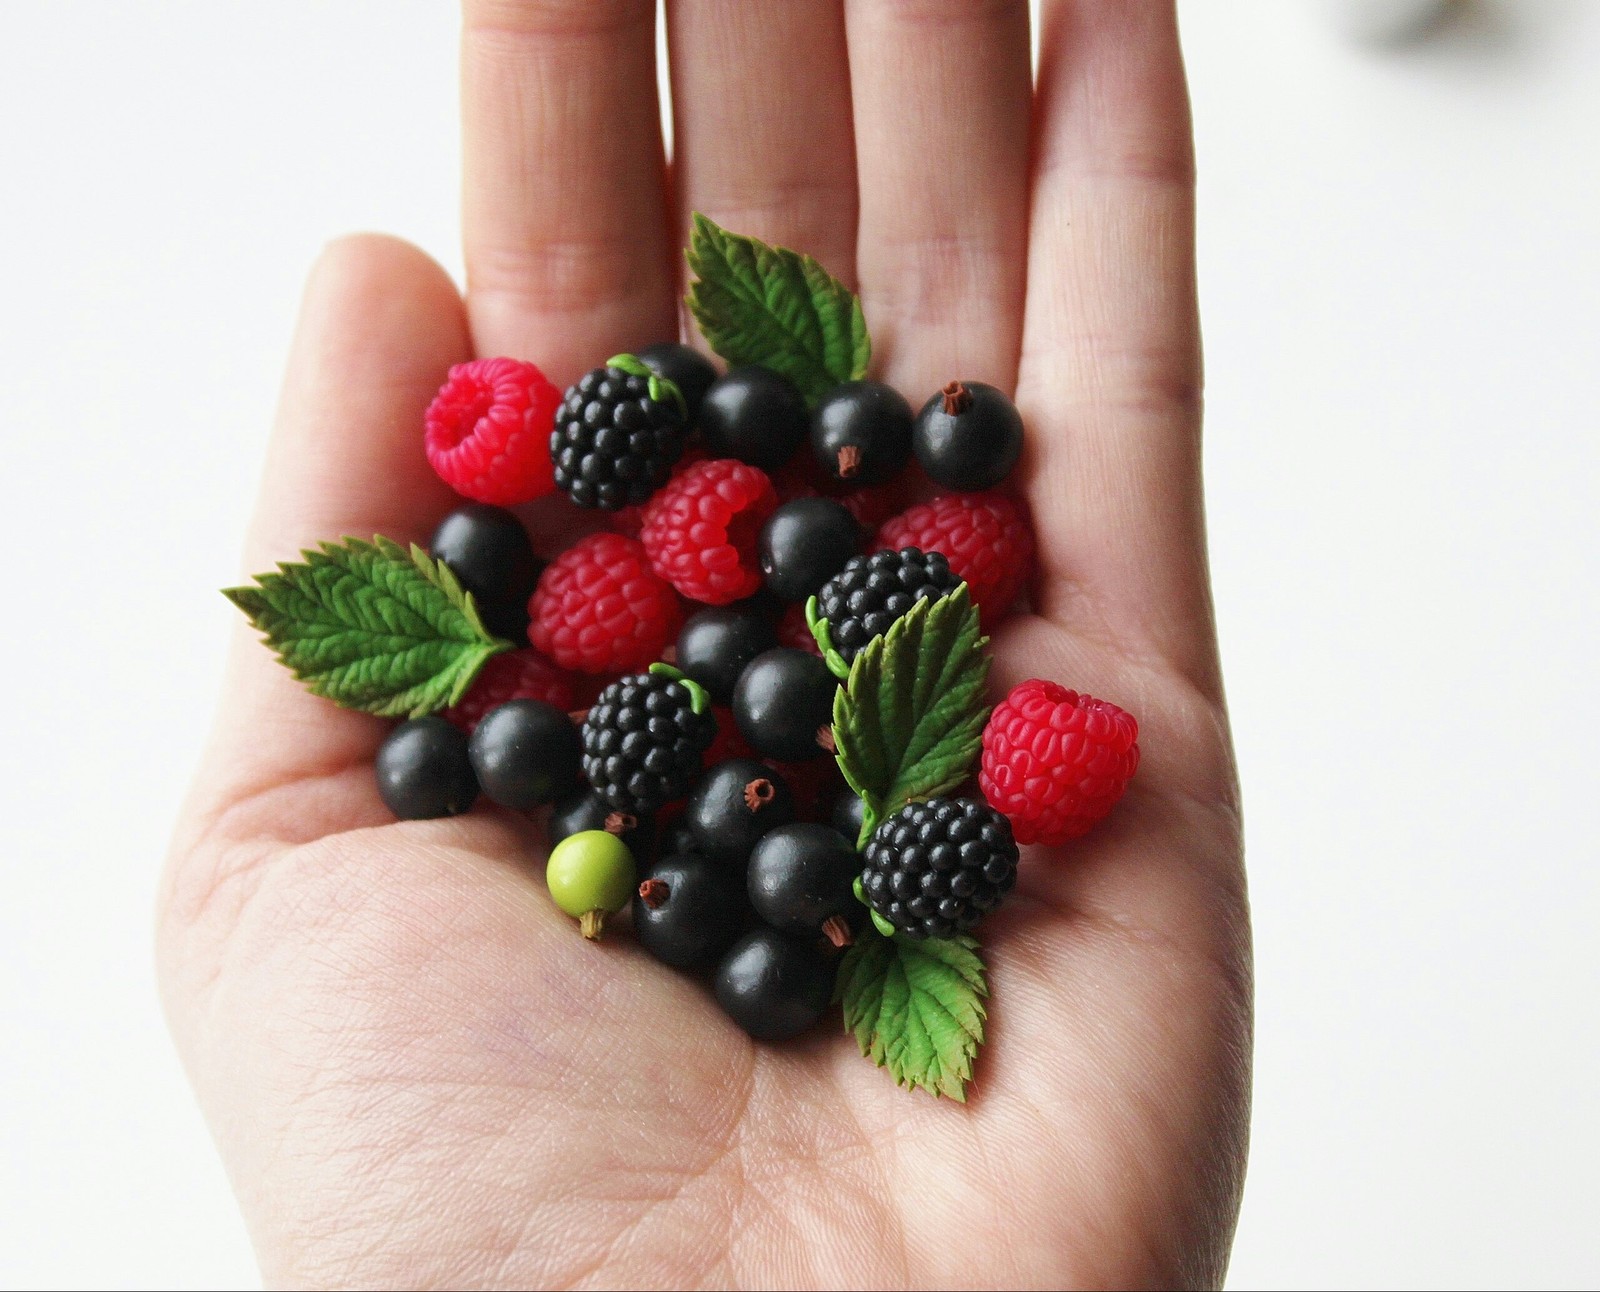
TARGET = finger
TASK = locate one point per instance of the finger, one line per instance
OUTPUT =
(761, 123)
(941, 91)
(380, 325)
(563, 204)
(1110, 371)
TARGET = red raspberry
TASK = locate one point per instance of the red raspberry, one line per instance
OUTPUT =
(1055, 762)
(630, 520)
(986, 538)
(794, 631)
(600, 608)
(515, 675)
(701, 530)
(488, 431)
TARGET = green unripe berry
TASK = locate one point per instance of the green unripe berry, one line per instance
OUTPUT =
(591, 874)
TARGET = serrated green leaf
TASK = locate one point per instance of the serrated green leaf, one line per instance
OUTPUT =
(779, 308)
(372, 626)
(823, 635)
(916, 1007)
(908, 724)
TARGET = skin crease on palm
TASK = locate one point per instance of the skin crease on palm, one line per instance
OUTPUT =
(416, 1071)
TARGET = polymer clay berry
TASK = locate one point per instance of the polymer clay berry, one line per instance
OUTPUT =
(591, 875)
(423, 770)
(968, 436)
(864, 599)
(755, 415)
(643, 739)
(525, 754)
(774, 985)
(733, 806)
(800, 881)
(615, 442)
(488, 550)
(600, 608)
(714, 646)
(804, 544)
(861, 433)
(700, 530)
(935, 868)
(685, 367)
(512, 675)
(846, 813)
(986, 538)
(688, 910)
(784, 705)
(1056, 761)
(583, 809)
(487, 431)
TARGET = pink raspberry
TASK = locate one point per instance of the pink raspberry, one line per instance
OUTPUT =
(515, 675)
(700, 531)
(488, 431)
(1055, 762)
(600, 608)
(630, 520)
(986, 538)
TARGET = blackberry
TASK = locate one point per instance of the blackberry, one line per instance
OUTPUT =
(871, 592)
(615, 442)
(934, 868)
(643, 740)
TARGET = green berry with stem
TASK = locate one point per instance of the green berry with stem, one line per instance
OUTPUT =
(591, 875)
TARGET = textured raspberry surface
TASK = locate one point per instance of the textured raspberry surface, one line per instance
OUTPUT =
(487, 432)
(794, 631)
(515, 675)
(700, 530)
(630, 520)
(600, 608)
(986, 538)
(1055, 762)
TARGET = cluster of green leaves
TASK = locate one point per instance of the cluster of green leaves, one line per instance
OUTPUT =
(372, 626)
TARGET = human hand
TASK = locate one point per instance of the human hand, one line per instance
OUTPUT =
(416, 1072)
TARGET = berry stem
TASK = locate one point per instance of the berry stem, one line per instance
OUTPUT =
(825, 738)
(849, 461)
(758, 793)
(654, 892)
(957, 398)
(591, 924)
(619, 822)
(837, 931)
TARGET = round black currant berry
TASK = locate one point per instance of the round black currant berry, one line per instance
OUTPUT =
(489, 551)
(716, 644)
(755, 415)
(586, 810)
(968, 436)
(804, 544)
(423, 770)
(846, 813)
(773, 985)
(733, 805)
(861, 433)
(688, 911)
(525, 754)
(685, 367)
(800, 878)
(679, 840)
(783, 702)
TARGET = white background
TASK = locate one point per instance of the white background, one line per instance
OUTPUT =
(1401, 277)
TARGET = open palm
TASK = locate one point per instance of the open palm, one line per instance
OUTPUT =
(417, 1072)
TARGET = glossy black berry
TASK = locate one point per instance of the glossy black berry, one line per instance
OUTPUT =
(934, 868)
(846, 813)
(688, 910)
(583, 809)
(733, 805)
(423, 770)
(774, 985)
(613, 445)
(861, 433)
(800, 877)
(489, 551)
(804, 544)
(968, 436)
(871, 592)
(755, 415)
(525, 754)
(679, 839)
(782, 703)
(715, 645)
(643, 742)
(685, 367)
